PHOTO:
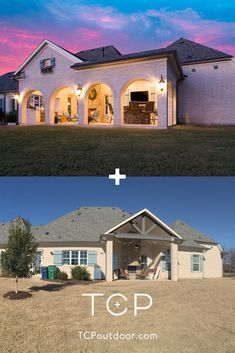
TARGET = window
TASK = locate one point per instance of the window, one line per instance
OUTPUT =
(166, 261)
(194, 70)
(65, 257)
(47, 65)
(1, 105)
(35, 103)
(13, 104)
(144, 262)
(74, 257)
(195, 263)
(216, 67)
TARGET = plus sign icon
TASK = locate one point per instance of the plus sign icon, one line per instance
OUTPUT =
(117, 176)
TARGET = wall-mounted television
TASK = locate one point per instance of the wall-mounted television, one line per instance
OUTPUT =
(140, 96)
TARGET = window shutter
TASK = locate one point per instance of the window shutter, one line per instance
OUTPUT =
(163, 263)
(201, 263)
(191, 261)
(115, 262)
(41, 64)
(57, 257)
(53, 62)
(92, 258)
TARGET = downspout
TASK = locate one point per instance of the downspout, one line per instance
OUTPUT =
(5, 106)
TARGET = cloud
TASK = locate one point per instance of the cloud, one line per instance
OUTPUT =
(76, 25)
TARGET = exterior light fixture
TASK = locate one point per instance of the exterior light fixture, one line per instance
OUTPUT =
(161, 84)
(17, 97)
(79, 90)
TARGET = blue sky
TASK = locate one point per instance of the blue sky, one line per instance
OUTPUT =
(207, 204)
(131, 25)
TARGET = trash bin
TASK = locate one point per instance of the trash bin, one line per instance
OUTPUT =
(44, 272)
(97, 272)
(52, 272)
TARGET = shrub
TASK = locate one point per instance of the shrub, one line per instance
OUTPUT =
(11, 117)
(80, 273)
(62, 275)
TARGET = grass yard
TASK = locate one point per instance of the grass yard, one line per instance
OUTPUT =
(191, 316)
(181, 150)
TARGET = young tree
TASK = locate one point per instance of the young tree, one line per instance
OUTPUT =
(19, 255)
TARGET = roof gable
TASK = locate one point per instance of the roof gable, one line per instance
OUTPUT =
(149, 214)
(190, 52)
(46, 43)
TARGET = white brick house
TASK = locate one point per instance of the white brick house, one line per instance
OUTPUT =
(185, 82)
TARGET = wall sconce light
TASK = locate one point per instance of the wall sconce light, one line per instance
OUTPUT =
(161, 84)
(17, 97)
(79, 90)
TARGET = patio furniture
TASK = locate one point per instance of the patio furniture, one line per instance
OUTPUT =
(123, 274)
(140, 113)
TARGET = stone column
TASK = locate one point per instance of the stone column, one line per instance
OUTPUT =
(81, 111)
(49, 113)
(117, 110)
(162, 109)
(174, 261)
(109, 261)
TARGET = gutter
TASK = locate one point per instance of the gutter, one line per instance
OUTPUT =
(123, 60)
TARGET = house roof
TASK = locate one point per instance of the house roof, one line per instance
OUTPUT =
(87, 224)
(140, 56)
(4, 228)
(83, 224)
(98, 53)
(191, 52)
(192, 237)
(8, 83)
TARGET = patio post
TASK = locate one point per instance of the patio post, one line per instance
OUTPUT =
(81, 111)
(109, 260)
(117, 110)
(49, 112)
(174, 261)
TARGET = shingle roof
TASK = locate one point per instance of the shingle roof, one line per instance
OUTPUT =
(7, 83)
(191, 236)
(156, 53)
(88, 223)
(83, 224)
(4, 228)
(189, 52)
(98, 53)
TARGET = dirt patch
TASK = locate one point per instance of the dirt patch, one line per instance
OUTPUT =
(17, 296)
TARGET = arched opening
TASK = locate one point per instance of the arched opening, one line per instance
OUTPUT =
(99, 105)
(33, 108)
(139, 103)
(64, 106)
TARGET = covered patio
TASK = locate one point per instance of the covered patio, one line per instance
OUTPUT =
(142, 247)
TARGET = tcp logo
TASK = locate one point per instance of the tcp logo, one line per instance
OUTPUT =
(118, 300)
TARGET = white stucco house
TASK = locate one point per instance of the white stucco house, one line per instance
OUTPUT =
(115, 244)
(185, 82)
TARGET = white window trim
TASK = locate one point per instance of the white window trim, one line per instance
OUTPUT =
(198, 256)
(79, 258)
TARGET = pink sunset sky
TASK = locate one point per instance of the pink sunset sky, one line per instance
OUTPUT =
(79, 25)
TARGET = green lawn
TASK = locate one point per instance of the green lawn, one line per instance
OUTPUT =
(182, 150)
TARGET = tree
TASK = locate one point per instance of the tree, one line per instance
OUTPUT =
(229, 261)
(20, 252)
